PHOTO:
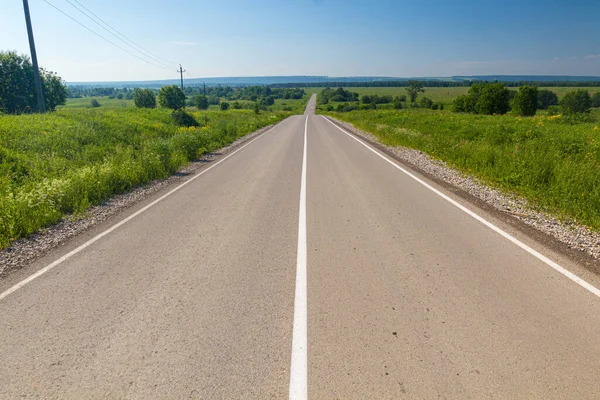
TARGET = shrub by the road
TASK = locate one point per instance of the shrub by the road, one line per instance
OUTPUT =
(58, 163)
(550, 160)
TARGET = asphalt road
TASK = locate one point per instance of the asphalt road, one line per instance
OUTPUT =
(202, 295)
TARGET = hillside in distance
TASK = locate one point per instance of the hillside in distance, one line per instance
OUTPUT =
(307, 80)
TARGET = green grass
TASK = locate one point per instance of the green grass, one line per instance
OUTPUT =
(105, 102)
(549, 161)
(64, 162)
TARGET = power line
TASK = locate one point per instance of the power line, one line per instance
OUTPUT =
(103, 38)
(97, 23)
(114, 32)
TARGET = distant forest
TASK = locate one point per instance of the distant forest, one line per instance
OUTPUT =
(439, 83)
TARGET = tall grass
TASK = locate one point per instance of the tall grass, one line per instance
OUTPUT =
(64, 162)
(552, 162)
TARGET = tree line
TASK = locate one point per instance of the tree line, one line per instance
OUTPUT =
(438, 83)
(496, 98)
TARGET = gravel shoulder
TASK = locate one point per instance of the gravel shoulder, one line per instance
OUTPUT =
(567, 236)
(24, 251)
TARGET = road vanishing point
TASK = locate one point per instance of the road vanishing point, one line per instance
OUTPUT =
(305, 264)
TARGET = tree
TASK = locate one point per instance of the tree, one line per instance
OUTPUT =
(224, 106)
(596, 100)
(171, 97)
(525, 101)
(397, 103)
(55, 90)
(413, 89)
(256, 108)
(493, 99)
(144, 98)
(426, 102)
(17, 91)
(94, 103)
(576, 102)
(546, 98)
(460, 104)
(201, 102)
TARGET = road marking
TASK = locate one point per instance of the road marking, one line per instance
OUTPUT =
(299, 363)
(117, 225)
(506, 235)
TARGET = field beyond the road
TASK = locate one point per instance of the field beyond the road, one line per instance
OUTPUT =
(58, 163)
(553, 163)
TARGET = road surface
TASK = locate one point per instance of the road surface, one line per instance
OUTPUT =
(303, 265)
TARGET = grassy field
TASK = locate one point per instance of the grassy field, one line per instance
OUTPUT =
(553, 163)
(63, 162)
(441, 95)
(105, 102)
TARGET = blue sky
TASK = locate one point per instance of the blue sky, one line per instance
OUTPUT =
(313, 37)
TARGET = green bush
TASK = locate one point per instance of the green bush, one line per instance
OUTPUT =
(94, 103)
(546, 98)
(493, 99)
(576, 102)
(171, 97)
(144, 98)
(553, 110)
(224, 106)
(182, 118)
(596, 100)
(525, 101)
(484, 98)
(460, 104)
(426, 102)
(201, 102)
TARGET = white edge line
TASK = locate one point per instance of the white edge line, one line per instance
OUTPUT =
(299, 362)
(120, 223)
(506, 235)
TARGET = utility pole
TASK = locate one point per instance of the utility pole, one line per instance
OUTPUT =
(181, 71)
(36, 71)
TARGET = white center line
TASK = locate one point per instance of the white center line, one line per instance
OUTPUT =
(124, 221)
(299, 363)
(493, 227)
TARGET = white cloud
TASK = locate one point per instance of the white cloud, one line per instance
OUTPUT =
(573, 58)
(592, 57)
